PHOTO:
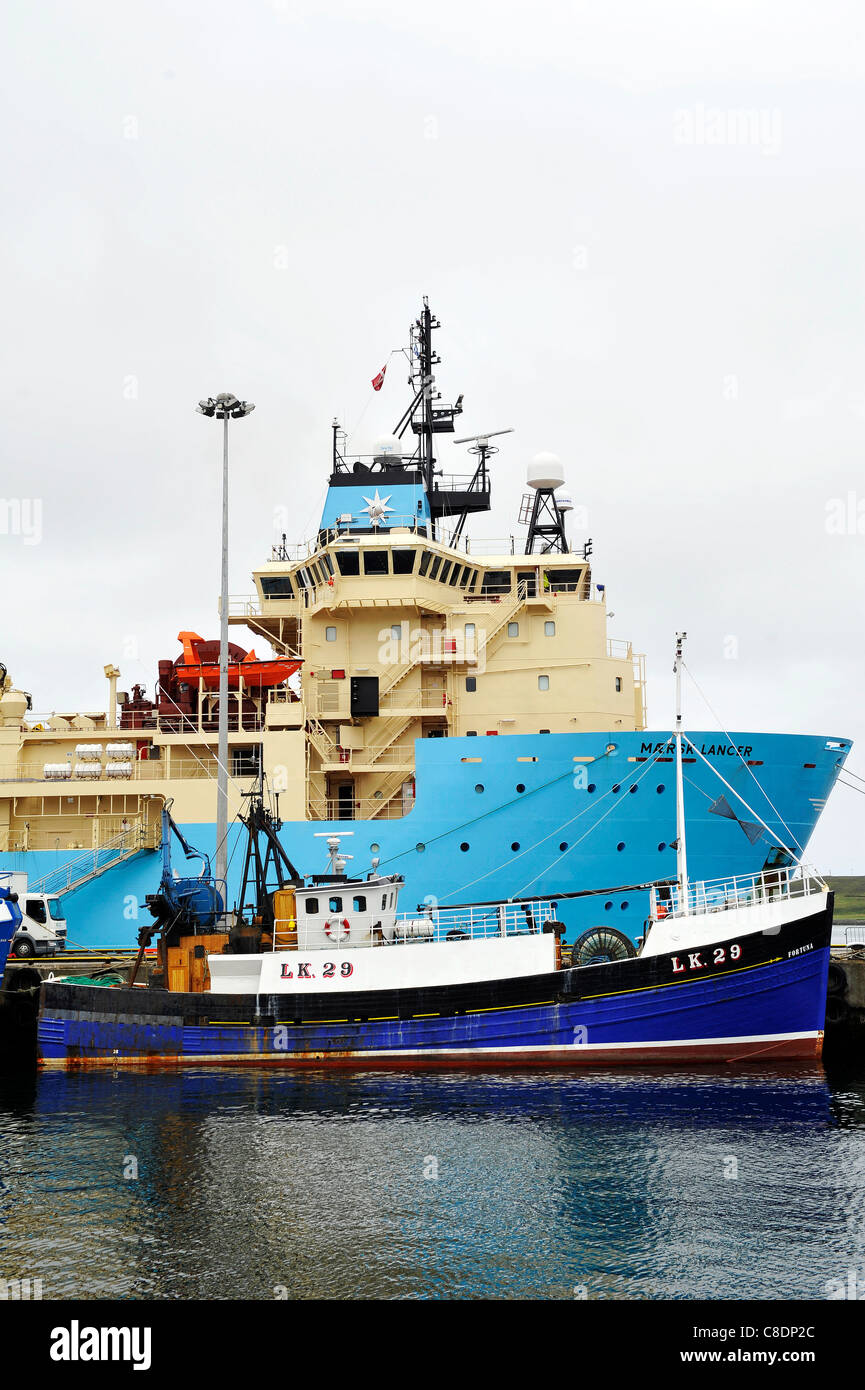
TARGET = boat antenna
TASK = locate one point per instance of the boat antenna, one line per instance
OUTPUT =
(681, 851)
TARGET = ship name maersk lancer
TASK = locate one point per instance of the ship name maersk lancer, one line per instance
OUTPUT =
(455, 703)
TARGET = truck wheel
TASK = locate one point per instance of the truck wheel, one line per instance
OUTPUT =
(23, 948)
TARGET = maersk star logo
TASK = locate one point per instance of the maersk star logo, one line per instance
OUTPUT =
(377, 507)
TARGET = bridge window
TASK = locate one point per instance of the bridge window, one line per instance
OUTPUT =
(403, 561)
(563, 581)
(424, 562)
(496, 582)
(458, 569)
(446, 569)
(278, 586)
(436, 566)
(348, 561)
(375, 562)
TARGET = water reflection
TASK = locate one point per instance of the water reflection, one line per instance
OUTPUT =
(723, 1184)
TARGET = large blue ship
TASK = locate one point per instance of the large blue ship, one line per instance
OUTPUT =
(450, 704)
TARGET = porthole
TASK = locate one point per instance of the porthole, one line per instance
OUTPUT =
(632, 789)
(607, 906)
(660, 787)
(591, 787)
(661, 847)
(374, 848)
(616, 788)
(420, 847)
(479, 786)
(515, 846)
(620, 846)
(624, 904)
(521, 786)
(563, 846)
(464, 846)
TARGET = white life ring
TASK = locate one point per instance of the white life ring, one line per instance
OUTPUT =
(337, 928)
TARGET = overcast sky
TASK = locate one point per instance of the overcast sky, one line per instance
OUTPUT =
(640, 222)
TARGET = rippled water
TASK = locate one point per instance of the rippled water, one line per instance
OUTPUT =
(353, 1185)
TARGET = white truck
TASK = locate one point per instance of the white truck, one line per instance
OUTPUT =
(43, 929)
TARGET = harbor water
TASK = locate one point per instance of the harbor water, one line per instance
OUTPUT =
(721, 1184)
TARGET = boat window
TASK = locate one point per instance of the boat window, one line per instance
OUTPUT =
(458, 569)
(471, 683)
(375, 562)
(403, 561)
(543, 682)
(618, 682)
(471, 733)
(562, 581)
(359, 904)
(384, 899)
(424, 562)
(327, 563)
(312, 905)
(513, 629)
(446, 569)
(496, 582)
(348, 561)
(336, 905)
(330, 634)
(549, 629)
(277, 586)
(470, 633)
(468, 579)
(436, 565)
(396, 632)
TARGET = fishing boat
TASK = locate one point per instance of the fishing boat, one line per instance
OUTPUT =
(324, 970)
(454, 698)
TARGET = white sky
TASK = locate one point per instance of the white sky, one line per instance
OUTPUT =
(207, 197)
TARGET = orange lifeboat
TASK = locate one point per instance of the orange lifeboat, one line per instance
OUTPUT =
(200, 661)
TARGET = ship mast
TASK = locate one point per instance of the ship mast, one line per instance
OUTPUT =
(681, 851)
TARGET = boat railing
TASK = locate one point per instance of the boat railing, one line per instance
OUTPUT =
(437, 924)
(742, 890)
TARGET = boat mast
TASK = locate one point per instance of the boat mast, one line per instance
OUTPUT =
(681, 851)
(426, 324)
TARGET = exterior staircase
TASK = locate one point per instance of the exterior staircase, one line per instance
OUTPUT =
(94, 862)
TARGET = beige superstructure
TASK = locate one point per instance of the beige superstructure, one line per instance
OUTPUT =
(401, 637)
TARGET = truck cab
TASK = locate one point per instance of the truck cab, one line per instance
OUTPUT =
(43, 926)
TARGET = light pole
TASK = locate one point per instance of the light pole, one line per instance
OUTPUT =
(224, 407)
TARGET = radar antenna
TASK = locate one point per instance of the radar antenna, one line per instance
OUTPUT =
(479, 483)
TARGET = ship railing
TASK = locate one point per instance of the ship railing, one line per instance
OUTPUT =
(437, 924)
(392, 807)
(742, 890)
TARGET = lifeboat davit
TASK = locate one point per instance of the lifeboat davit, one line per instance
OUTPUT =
(200, 661)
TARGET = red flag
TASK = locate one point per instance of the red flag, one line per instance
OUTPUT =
(378, 381)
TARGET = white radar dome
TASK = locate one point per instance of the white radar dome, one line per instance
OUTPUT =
(564, 501)
(545, 470)
(387, 446)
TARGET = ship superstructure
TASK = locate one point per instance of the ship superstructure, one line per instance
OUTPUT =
(457, 700)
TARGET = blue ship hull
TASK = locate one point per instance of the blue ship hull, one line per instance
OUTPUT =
(523, 815)
(768, 1005)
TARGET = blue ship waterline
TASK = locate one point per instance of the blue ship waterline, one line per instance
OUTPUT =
(523, 815)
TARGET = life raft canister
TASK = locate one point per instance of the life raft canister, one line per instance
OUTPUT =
(337, 929)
